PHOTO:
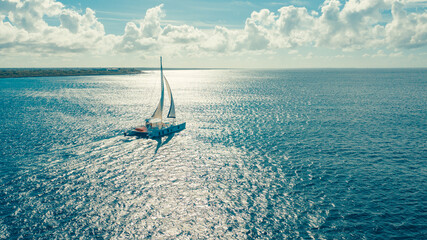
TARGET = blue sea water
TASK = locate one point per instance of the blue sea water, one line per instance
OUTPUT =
(267, 154)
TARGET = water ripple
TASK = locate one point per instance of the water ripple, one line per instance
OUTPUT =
(266, 155)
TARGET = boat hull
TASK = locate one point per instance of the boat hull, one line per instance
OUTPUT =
(156, 133)
(131, 133)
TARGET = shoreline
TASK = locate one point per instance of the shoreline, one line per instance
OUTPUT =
(63, 72)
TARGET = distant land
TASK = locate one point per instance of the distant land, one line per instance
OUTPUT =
(53, 72)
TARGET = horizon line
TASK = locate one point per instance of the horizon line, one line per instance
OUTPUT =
(212, 68)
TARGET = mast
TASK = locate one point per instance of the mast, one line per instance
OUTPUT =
(159, 110)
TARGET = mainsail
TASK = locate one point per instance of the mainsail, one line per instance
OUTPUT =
(159, 109)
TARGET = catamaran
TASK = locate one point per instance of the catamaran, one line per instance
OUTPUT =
(155, 127)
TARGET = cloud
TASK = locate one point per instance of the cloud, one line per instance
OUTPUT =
(256, 35)
(9, 33)
(142, 34)
(357, 24)
(183, 34)
(295, 26)
(28, 15)
(25, 31)
(349, 26)
(406, 30)
(220, 41)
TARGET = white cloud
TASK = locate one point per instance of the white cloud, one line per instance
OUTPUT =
(380, 53)
(28, 15)
(293, 51)
(25, 30)
(183, 34)
(255, 37)
(350, 26)
(142, 34)
(295, 26)
(8, 33)
(406, 30)
(396, 54)
(219, 41)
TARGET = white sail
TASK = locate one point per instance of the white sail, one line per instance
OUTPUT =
(159, 110)
(171, 113)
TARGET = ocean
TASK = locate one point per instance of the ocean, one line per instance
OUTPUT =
(267, 154)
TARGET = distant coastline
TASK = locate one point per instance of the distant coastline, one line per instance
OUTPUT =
(56, 72)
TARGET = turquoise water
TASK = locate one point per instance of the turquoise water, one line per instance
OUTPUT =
(267, 154)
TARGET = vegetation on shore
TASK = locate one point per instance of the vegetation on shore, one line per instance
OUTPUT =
(51, 72)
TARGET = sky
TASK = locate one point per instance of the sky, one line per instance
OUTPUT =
(214, 34)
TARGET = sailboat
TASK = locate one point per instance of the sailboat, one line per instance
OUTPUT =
(155, 126)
